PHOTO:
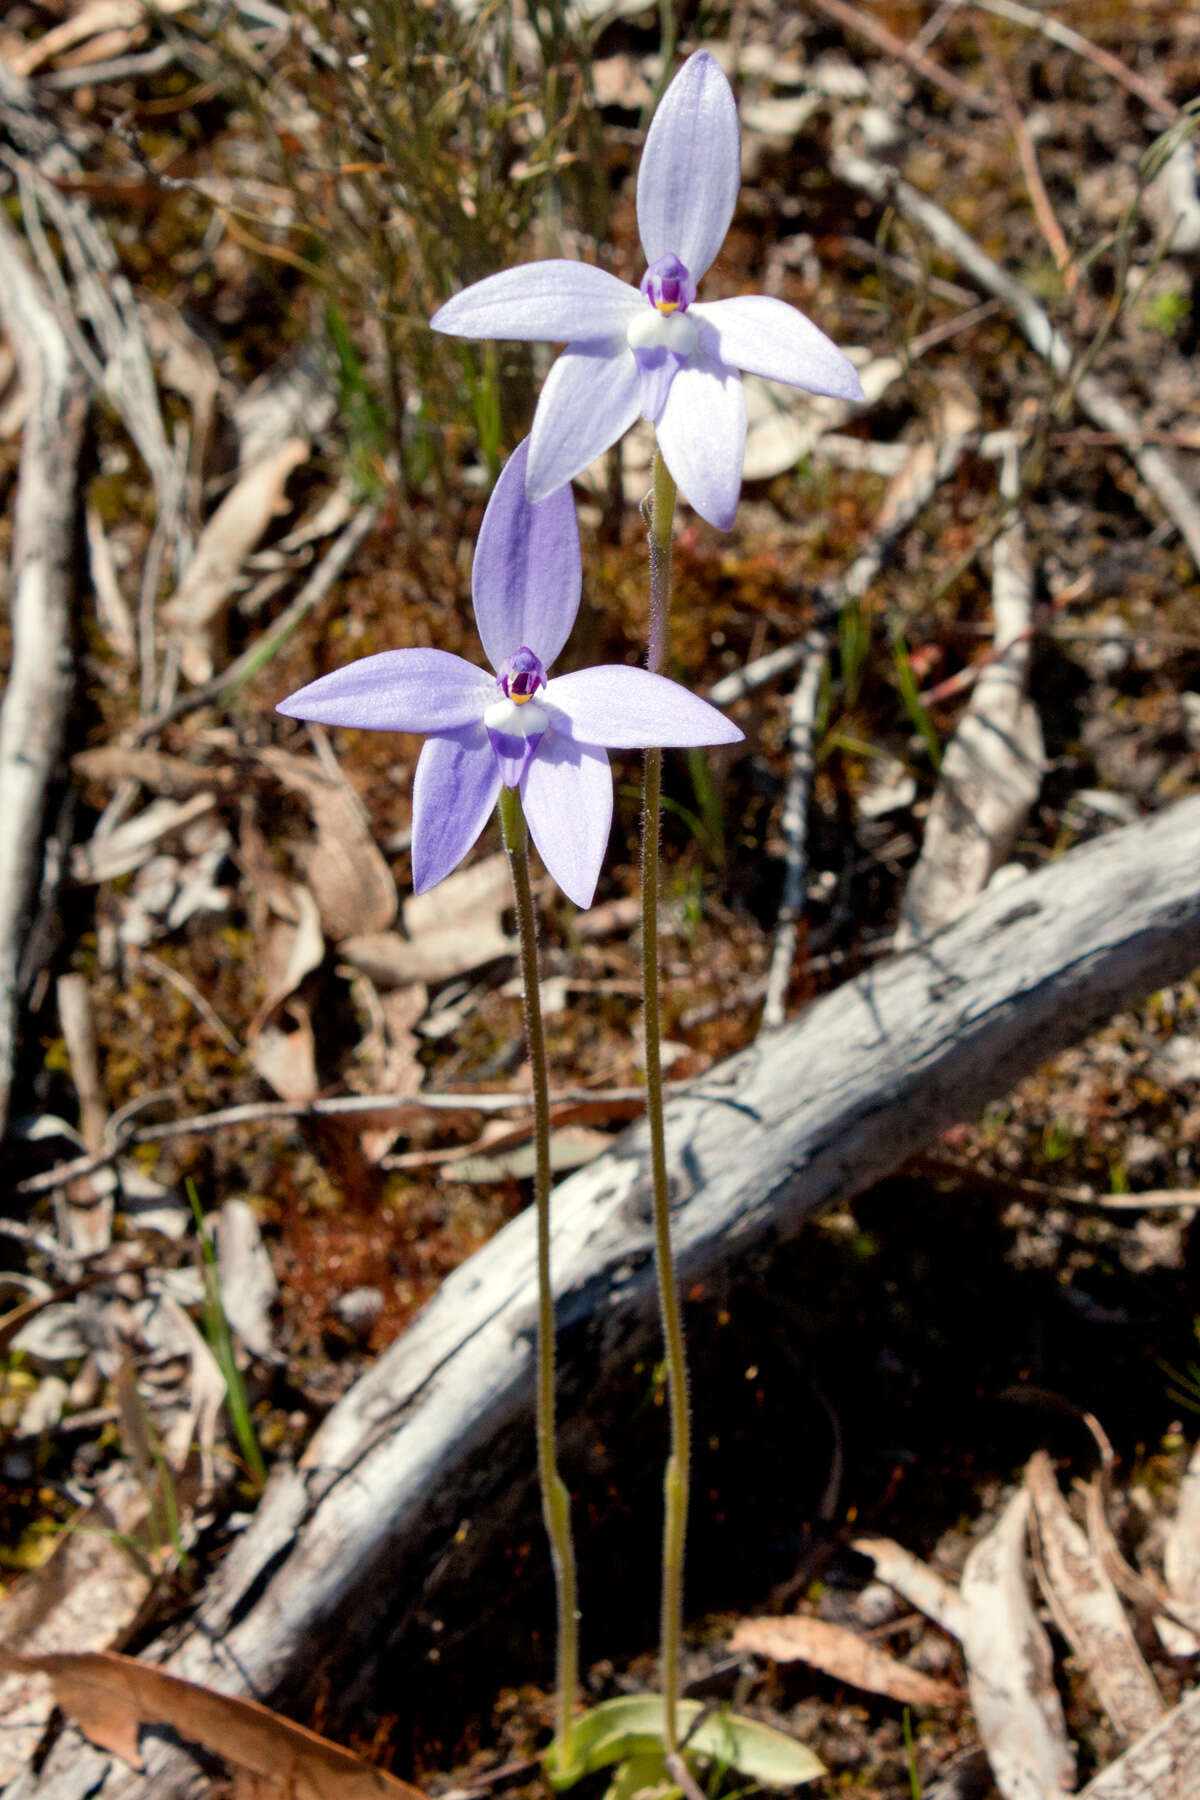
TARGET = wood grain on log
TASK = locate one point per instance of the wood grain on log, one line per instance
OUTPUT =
(342, 1546)
(33, 717)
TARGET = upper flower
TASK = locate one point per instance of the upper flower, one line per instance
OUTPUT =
(515, 727)
(655, 349)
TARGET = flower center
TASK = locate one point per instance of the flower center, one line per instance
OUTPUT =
(514, 721)
(521, 675)
(668, 286)
(663, 337)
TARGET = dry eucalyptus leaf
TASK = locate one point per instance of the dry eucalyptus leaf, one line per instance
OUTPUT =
(345, 868)
(839, 1652)
(85, 1595)
(161, 773)
(394, 961)
(916, 1582)
(287, 1060)
(482, 890)
(387, 1060)
(291, 953)
(570, 1148)
(234, 529)
(110, 1697)
(1181, 1552)
(134, 841)
(297, 396)
(1088, 1609)
(1010, 1671)
(249, 1289)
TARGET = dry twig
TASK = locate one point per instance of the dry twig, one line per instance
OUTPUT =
(33, 717)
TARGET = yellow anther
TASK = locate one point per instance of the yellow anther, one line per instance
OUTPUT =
(667, 306)
(520, 699)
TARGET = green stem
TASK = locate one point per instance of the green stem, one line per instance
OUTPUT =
(676, 1483)
(556, 1502)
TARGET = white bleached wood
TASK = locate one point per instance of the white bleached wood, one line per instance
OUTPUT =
(345, 1552)
(1010, 1669)
(1087, 1608)
(33, 716)
(1164, 1764)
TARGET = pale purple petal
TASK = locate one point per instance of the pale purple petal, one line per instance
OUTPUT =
(527, 574)
(568, 800)
(455, 791)
(558, 301)
(626, 709)
(768, 337)
(588, 400)
(691, 168)
(702, 435)
(398, 690)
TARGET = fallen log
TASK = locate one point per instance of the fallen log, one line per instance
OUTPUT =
(347, 1546)
(41, 678)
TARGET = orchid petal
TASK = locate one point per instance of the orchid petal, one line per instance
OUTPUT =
(702, 435)
(398, 690)
(623, 708)
(557, 301)
(769, 337)
(456, 788)
(691, 168)
(588, 400)
(568, 800)
(527, 574)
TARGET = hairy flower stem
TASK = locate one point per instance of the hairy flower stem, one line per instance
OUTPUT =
(678, 1463)
(556, 1502)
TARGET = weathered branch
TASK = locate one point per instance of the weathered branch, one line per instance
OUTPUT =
(343, 1547)
(34, 712)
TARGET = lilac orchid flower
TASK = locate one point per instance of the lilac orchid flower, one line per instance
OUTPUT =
(516, 727)
(655, 349)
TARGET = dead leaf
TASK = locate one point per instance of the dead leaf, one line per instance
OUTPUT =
(841, 1653)
(161, 773)
(570, 1148)
(88, 1592)
(110, 1697)
(393, 961)
(249, 1289)
(1010, 1673)
(290, 953)
(287, 1060)
(234, 529)
(1181, 1556)
(482, 890)
(992, 770)
(297, 396)
(134, 841)
(345, 867)
(113, 611)
(387, 1060)
(1088, 1610)
(916, 1582)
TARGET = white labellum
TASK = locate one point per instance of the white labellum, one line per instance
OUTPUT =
(511, 720)
(652, 330)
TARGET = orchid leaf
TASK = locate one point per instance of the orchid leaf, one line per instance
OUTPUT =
(631, 1728)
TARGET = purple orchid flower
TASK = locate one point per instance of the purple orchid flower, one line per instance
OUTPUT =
(655, 349)
(516, 727)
